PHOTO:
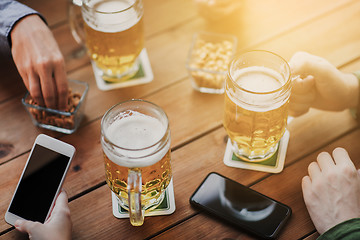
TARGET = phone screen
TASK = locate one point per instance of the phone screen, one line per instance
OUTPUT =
(241, 205)
(39, 184)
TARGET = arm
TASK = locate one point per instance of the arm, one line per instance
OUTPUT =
(36, 55)
(10, 13)
(349, 229)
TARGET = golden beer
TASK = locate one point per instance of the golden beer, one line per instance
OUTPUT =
(135, 139)
(155, 179)
(256, 105)
(114, 36)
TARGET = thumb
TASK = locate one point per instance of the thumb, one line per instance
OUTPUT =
(26, 226)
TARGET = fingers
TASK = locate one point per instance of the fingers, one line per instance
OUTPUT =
(325, 161)
(48, 87)
(62, 200)
(61, 85)
(341, 157)
(302, 95)
(61, 205)
(305, 184)
(34, 88)
(26, 226)
(313, 170)
(303, 86)
(298, 109)
(298, 62)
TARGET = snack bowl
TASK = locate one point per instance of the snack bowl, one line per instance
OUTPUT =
(208, 60)
(60, 121)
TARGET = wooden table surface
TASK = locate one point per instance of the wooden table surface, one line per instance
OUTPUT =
(328, 28)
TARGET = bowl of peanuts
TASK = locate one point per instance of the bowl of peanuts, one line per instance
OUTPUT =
(61, 121)
(208, 60)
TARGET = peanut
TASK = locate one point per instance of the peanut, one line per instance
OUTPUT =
(58, 120)
(210, 56)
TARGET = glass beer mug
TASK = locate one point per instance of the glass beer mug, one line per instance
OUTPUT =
(257, 92)
(135, 138)
(113, 33)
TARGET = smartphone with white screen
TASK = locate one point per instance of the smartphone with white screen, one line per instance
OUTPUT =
(241, 206)
(41, 180)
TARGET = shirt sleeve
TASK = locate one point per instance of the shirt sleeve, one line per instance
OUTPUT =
(10, 13)
(348, 230)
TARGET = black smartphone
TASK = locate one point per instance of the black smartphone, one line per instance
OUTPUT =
(241, 206)
(41, 180)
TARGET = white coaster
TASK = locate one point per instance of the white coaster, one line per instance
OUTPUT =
(144, 75)
(167, 206)
(275, 164)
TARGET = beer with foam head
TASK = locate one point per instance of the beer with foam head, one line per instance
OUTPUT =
(256, 104)
(136, 139)
(114, 36)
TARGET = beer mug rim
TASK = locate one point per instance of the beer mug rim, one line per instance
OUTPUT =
(283, 86)
(85, 3)
(160, 110)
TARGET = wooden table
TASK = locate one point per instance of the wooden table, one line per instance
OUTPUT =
(328, 28)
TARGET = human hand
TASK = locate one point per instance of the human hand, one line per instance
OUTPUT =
(40, 62)
(332, 190)
(57, 227)
(319, 84)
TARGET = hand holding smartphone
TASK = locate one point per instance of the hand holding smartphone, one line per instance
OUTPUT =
(41, 180)
(241, 206)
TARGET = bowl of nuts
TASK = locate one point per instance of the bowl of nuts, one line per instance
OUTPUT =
(208, 60)
(61, 121)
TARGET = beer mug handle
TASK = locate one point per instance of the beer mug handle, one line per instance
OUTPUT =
(76, 22)
(134, 195)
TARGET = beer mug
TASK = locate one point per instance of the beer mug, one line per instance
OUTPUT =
(257, 92)
(113, 33)
(135, 138)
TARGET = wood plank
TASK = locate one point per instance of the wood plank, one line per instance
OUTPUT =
(288, 192)
(329, 38)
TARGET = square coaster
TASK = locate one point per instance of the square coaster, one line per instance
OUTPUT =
(167, 206)
(144, 75)
(275, 164)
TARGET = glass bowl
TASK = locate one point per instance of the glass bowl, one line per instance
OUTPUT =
(208, 60)
(60, 121)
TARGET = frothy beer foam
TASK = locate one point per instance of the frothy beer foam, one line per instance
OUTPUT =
(261, 82)
(136, 131)
(258, 79)
(112, 17)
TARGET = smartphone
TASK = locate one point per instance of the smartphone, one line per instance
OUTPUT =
(241, 206)
(41, 180)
